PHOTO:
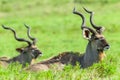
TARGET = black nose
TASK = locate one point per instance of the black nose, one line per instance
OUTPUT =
(107, 46)
(40, 52)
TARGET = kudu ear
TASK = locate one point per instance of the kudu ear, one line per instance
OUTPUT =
(19, 50)
(86, 33)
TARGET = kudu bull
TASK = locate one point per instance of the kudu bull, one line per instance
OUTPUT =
(27, 54)
(94, 50)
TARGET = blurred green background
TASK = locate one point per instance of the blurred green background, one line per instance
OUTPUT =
(57, 30)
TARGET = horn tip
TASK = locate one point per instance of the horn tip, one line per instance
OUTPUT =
(26, 25)
(84, 8)
(87, 10)
(74, 9)
(4, 26)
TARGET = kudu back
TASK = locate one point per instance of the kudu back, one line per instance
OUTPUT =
(27, 54)
(94, 49)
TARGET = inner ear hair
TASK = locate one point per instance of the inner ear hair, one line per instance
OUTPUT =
(19, 49)
(86, 33)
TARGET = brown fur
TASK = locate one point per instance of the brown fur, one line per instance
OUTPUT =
(58, 62)
(3, 61)
(101, 56)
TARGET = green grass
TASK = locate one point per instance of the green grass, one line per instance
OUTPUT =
(57, 30)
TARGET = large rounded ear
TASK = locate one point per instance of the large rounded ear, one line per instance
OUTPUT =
(86, 33)
(20, 50)
(102, 29)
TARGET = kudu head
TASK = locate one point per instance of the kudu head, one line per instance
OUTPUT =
(26, 53)
(31, 48)
(97, 43)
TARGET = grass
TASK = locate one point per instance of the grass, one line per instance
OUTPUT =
(58, 30)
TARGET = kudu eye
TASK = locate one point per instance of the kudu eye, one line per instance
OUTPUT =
(33, 50)
(96, 38)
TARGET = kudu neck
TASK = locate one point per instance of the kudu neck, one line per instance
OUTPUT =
(91, 55)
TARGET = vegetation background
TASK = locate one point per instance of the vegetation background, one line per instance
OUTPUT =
(57, 30)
